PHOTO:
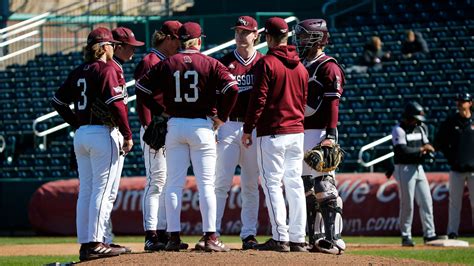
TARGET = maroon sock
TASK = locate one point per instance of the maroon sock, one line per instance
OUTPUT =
(211, 235)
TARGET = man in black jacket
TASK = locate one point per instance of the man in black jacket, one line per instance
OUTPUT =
(455, 138)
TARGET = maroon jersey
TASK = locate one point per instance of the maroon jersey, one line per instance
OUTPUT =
(86, 84)
(142, 68)
(242, 70)
(189, 81)
(278, 98)
(325, 87)
(116, 63)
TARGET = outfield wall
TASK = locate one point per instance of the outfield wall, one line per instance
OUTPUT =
(370, 207)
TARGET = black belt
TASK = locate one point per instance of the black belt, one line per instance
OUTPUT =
(237, 119)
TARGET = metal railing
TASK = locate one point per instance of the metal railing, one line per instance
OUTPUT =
(132, 83)
(34, 22)
(371, 145)
(2, 143)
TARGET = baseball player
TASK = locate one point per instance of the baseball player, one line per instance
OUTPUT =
(165, 44)
(411, 143)
(276, 109)
(97, 146)
(325, 86)
(123, 52)
(455, 138)
(188, 82)
(230, 151)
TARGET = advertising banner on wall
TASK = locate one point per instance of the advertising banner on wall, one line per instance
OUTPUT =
(371, 207)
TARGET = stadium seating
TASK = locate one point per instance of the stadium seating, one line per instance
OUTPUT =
(371, 105)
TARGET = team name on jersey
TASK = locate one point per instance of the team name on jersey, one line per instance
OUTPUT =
(414, 136)
(245, 82)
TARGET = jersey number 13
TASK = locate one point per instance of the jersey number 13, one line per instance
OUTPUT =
(192, 75)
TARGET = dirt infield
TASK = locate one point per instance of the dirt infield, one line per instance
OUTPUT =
(235, 257)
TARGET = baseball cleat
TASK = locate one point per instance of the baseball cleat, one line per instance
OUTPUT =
(98, 251)
(298, 247)
(273, 245)
(213, 244)
(452, 236)
(174, 245)
(335, 247)
(183, 246)
(201, 244)
(154, 245)
(249, 242)
(407, 242)
(123, 248)
(428, 239)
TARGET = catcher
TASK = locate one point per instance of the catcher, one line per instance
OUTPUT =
(325, 86)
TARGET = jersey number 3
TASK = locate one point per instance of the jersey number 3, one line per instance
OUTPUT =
(81, 83)
(193, 76)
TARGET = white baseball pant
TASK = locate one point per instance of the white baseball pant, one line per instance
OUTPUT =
(457, 182)
(413, 185)
(190, 139)
(97, 151)
(154, 212)
(279, 159)
(230, 153)
(108, 234)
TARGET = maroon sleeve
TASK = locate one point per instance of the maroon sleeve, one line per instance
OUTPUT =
(258, 97)
(114, 98)
(61, 100)
(333, 87)
(144, 113)
(147, 87)
(332, 107)
(142, 68)
(228, 89)
(333, 80)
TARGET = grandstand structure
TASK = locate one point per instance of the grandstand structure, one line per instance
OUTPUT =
(371, 104)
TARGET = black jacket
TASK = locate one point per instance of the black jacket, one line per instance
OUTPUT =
(455, 138)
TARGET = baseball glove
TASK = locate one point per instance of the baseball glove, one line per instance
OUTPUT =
(155, 133)
(102, 111)
(324, 158)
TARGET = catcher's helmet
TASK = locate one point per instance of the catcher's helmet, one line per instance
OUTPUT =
(464, 96)
(414, 110)
(310, 33)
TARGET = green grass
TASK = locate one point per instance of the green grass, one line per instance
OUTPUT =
(35, 240)
(446, 255)
(451, 255)
(389, 240)
(36, 260)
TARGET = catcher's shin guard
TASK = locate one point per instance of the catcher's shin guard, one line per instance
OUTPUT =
(308, 183)
(328, 211)
(311, 206)
(322, 244)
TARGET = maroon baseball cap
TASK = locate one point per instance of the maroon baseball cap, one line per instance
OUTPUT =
(99, 35)
(125, 35)
(246, 23)
(171, 27)
(190, 30)
(276, 26)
